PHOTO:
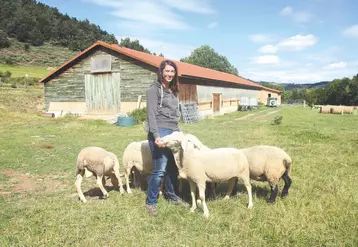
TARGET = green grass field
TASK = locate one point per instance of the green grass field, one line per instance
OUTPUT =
(21, 71)
(39, 204)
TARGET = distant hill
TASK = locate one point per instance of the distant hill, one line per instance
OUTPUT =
(290, 86)
(35, 23)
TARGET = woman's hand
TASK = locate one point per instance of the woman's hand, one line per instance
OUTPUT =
(159, 142)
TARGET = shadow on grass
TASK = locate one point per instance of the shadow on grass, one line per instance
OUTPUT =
(96, 192)
(221, 190)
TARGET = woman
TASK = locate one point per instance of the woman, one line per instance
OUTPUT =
(163, 118)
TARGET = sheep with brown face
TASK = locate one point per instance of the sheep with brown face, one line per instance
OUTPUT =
(209, 165)
(100, 163)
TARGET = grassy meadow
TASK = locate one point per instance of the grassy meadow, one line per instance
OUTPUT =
(21, 71)
(40, 207)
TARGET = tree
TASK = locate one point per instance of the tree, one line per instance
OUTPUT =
(4, 41)
(133, 44)
(207, 57)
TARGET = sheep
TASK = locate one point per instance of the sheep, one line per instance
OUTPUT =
(138, 155)
(269, 163)
(212, 165)
(100, 163)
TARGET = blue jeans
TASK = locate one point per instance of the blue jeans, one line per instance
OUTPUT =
(163, 166)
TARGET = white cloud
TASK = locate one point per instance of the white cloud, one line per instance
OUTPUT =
(155, 14)
(298, 42)
(302, 16)
(339, 65)
(310, 73)
(268, 49)
(294, 43)
(351, 31)
(169, 50)
(196, 6)
(267, 59)
(261, 38)
(286, 11)
(212, 25)
(297, 16)
(144, 13)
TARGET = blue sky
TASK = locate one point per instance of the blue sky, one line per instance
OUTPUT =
(296, 41)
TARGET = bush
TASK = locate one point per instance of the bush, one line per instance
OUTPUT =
(140, 115)
(277, 120)
(9, 61)
(4, 40)
(27, 47)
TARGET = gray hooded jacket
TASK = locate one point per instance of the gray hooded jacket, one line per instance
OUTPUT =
(162, 109)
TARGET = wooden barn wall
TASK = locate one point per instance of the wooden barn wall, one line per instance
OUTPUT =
(136, 78)
(204, 89)
(69, 86)
(187, 93)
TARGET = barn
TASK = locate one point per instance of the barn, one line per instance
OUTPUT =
(108, 79)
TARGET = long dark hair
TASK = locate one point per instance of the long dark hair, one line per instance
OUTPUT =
(174, 84)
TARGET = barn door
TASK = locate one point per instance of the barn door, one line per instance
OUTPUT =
(216, 102)
(102, 93)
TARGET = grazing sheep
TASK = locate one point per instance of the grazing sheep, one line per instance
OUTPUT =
(269, 163)
(212, 165)
(100, 163)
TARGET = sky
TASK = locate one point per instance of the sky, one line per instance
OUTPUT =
(283, 41)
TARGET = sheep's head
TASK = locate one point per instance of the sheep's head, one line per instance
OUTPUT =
(173, 141)
(179, 141)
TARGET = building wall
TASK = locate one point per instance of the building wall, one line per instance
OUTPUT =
(69, 86)
(230, 98)
(263, 95)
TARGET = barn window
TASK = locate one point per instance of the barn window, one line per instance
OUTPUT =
(101, 64)
(269, 95)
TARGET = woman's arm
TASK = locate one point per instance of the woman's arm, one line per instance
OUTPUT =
(152, 105)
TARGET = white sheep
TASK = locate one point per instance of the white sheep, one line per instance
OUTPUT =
(211, 165)
(100, 163)
(138, 155)
(269, 163)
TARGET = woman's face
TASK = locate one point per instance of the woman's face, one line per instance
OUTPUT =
(168, 73)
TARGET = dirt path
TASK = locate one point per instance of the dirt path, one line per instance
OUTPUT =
(30, 183)
(265, 115)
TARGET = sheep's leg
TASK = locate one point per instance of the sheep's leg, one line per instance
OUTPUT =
(126, 176)
(274, 192)
(213, 189)
(78, 182)
(201, 188)
(180, 186)
(127, 173)
(231, 184)
(118, 178)
(100, 185)
(248, 187)
(192, 193)
(288, 182)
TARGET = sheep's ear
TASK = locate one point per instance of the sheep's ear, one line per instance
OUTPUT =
(184, 144)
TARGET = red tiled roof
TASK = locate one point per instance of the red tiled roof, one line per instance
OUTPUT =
(184, 69)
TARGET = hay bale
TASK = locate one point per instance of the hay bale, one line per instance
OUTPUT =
(325, 110)
(348, 109)
(337, 109)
